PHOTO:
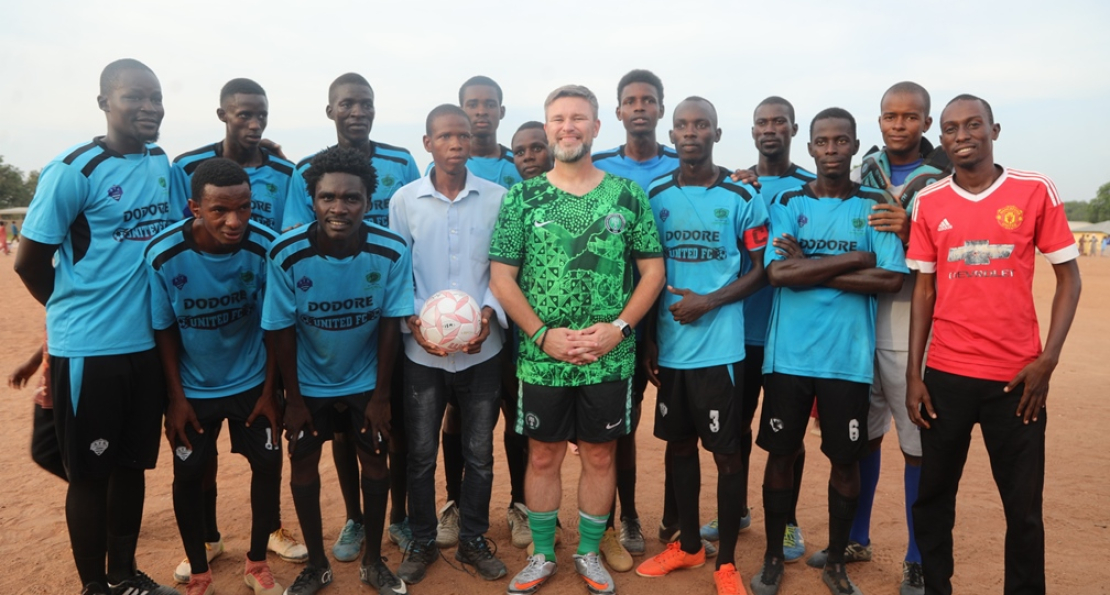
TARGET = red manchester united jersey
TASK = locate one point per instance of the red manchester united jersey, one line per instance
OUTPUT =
(981, 248)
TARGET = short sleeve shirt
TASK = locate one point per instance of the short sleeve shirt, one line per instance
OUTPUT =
(336, 305)
(394, 167)
(981, 247)
(576, 255)
(101, 209)
(269, 184)
(757, 306)
(702, 230)
(823, 332)
(215, 301)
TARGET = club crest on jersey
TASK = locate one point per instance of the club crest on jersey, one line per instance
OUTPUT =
(272, 189)
(614, 222)
(179, 281)
(664, 214)
(1009, 217)
(246, 277)
(720, 213)
(802, 220)
(389, 180)
(304, 284)
(858, 224)
(98, 446)
(115, 192)
(508, 180)
(373, 277)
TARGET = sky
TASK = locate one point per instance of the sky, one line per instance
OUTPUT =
(1043, 67)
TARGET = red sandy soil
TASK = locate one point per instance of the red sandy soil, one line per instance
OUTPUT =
(37, 559)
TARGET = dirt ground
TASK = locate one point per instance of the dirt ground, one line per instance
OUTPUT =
(35, 547)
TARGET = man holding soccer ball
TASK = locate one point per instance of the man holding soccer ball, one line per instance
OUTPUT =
(447, 218)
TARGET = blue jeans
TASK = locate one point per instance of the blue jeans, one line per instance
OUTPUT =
(477, 392)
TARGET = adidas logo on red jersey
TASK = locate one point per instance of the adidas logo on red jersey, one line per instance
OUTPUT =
(944, 225)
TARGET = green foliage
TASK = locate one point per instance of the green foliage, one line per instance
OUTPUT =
(1099, 209)
(13, 190)
(1077, 210)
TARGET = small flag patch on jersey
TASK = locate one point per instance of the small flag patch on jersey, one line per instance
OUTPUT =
(944, 225)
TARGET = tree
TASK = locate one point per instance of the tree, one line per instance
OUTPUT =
(13, 191)
(1077, 210)
(1099, 209)
(32, 183)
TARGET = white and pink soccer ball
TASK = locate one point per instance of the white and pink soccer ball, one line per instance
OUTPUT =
(450, 319)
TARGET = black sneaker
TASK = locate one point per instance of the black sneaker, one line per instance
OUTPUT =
(769, 578)
(476, 552)
(836, 579)
(913, 580)
(310, 580)
(419, 557)
(94, 589)
(140, 584)
(379, 576)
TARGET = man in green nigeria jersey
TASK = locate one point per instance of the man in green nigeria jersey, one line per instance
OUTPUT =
(561, 265)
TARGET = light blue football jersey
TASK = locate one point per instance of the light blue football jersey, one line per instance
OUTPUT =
(702, 229)
(101, 208)
(394, 166)
(215, 300)
(822, 332)
(336, 305)
(757, 307)
(617, 163)
(269, 184)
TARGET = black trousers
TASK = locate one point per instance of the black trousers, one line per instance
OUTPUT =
(1017, 457)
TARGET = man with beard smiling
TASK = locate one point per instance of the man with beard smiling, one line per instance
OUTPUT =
(573, 235)
(826, 266)
(707, 222)
(207, 279)
(95, 207)
(351, 107)
(337, 290)
(244, 110)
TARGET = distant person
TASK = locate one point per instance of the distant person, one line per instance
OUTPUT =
(4, 238)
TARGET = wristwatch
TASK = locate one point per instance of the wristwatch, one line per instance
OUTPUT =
(626, 331)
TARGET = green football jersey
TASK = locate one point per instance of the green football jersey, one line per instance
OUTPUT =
(576, 255)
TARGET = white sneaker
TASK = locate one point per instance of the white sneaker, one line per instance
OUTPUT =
(287, 547)
(184, 570)
(518, 525)
(447, 534)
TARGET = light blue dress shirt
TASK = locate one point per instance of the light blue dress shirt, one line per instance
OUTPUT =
(449, 241)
